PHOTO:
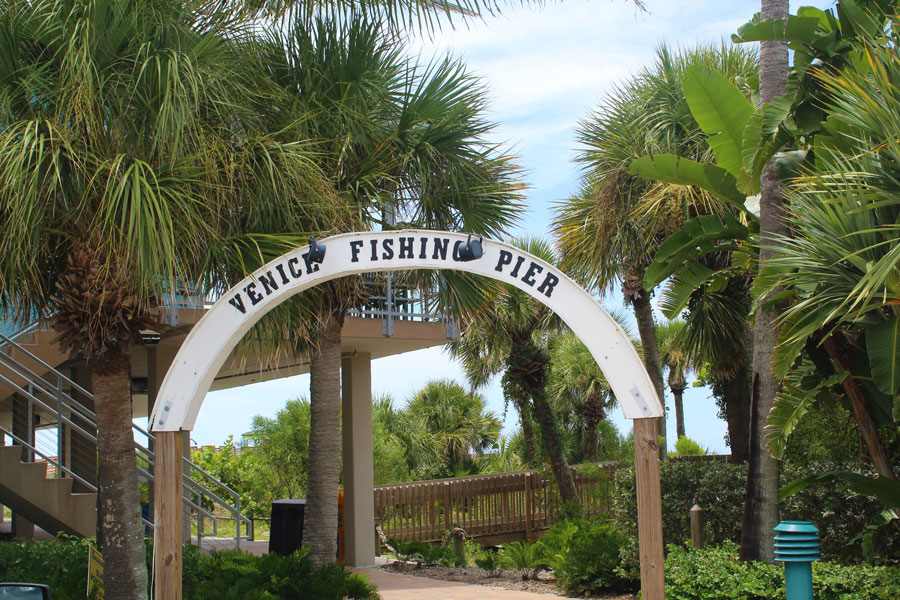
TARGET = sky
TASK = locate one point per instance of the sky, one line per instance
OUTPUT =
(545, 68)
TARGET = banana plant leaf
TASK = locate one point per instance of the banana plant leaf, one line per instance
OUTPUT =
(669, 168)
(722, 111)
(698, 237)
(886, 491)
(883, 347)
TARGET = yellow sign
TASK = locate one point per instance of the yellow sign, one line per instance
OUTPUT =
(95, 573)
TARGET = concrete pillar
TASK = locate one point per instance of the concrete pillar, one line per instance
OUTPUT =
(359, 492)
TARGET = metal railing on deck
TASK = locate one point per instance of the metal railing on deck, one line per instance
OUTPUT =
(208, 499)
(390, 301)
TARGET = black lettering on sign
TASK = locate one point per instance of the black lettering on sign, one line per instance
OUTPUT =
(292, 267)
(440, 248)
(406, 247)
(546, 287)
(533, 268)
(311, 267)
(268, 282)
(374, 244)
(251, 292)
(355, 245)
(388, 246)
(422, 243)
(515, 271)
(456, 248)
(238, 303)
(280, 269)
(505, 259)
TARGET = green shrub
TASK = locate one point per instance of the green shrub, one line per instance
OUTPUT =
(685, 446)
(427, 553)
(62, 564)
(719, 489)
(715, 573)
(490, 561)
(585, 555)
(527, 559)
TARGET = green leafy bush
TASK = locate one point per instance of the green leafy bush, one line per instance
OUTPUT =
(715, 573)
(527, 559)
(62, 564)
(685, 446)
(719, 489)
(424, 552)
(490, 561)
(585, 555)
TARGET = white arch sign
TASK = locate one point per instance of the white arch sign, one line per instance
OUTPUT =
(214, 337)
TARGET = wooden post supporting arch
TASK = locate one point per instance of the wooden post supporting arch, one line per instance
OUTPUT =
(214, 337)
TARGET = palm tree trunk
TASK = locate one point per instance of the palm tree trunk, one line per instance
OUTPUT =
(736, 396)
(555, 450)
(761, 506)
(868, 431)
(643, 312)
(527, 430)
(677, 394)
(119, 528)
(593, 441)
(321, 518)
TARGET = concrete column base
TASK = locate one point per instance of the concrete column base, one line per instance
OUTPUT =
(359, 487)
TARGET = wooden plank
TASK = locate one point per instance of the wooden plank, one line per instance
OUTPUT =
(650, 539)
(168, 515)
(528, 507)
(448, 509)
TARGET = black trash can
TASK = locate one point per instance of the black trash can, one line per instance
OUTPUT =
(286, 532)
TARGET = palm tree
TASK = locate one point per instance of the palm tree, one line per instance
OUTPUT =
(577, 386)
(116, 117)
(456, 424)
(678, 363)
(394, 139)
(839, 267)
(761, 506)
(510, 334)
(611, 229)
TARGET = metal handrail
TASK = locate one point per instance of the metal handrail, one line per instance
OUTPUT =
(59, 467)
(40, 388)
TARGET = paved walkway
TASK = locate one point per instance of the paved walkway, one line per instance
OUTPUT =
(396, 586)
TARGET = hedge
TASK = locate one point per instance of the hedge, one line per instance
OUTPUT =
(715, 573)
(62, 564)
(719, 488)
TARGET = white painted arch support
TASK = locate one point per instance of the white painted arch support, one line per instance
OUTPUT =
(211, 341)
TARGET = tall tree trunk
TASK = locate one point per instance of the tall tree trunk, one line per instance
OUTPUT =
(119, 529)
(868, 431)
(677, 395)
(523, 408)
(593, 441)
(320, 522)
(643, 312)
(526, 372)
(555, 449)
(761, 506)
(736, 396)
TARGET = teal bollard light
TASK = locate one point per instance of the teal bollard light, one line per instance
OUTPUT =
(797, 546)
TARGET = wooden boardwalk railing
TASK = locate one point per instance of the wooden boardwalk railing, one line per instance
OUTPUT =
(491, 508)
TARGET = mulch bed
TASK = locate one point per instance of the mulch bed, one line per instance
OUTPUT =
(507, 580)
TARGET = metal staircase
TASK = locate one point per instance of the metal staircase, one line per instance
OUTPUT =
(53, 430)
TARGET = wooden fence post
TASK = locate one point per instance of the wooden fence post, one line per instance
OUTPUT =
(448, 508)
(528, 507)
(696, 526)
(168, 515)
(650, 538)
